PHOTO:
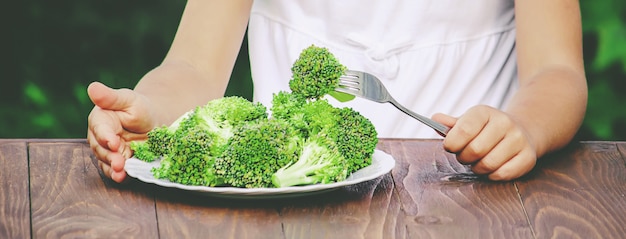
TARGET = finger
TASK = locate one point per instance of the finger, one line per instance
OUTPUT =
(489, 137)
(109, 173)
(99, 151)
(110, 99)
(501, 153)
(106, 169)
(518, 166)
(131, 136)
(118, 176)
(104, 129)
(466, 128)
(117, 161)
(444, 119)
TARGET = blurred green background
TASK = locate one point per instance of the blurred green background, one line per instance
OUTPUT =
(51, 51)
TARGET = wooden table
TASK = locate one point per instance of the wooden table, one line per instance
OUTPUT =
(53, 189)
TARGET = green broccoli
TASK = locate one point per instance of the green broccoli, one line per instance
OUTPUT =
(188, 148)
(354, 134)
(221, 117)
(315, 73)
(319, 115)
(158, 143)
(319, 162)
(188, 161)
(338, 142)
(141, 151)
(286, 105)
(356, 138)
(256, 151)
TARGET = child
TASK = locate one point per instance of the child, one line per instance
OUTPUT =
(510, 71)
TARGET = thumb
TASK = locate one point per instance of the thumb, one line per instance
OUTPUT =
(108, 98)
(444, 119)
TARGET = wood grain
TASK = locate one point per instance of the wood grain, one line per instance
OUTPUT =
(69, 198)
(443, 199)
(621, 146)
(578, 193)
(186, 215)
(14, 194)
(365, 210)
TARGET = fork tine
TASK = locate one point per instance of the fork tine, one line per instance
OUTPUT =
(351, 79)
(346, 81)
(347, 90)
(349, 83)
(352, 73)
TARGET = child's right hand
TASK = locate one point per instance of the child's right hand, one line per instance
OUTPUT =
(118, 117)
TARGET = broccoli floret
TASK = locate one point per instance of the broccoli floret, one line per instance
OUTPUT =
(158, 143)
(160, 140)
(356, 138)
(309, 117)
(318, 162)
(256, 151)
(220, 117)
(188, 161)
(354, 135)
(320, 115)
(286, 105)
(141, 151)
(315, 73)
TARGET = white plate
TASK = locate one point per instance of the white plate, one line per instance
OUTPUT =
(382, 163)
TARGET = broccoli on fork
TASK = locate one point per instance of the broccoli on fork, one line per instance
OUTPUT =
(316, 73)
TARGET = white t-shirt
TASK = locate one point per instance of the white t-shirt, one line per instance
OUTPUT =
(432, 55)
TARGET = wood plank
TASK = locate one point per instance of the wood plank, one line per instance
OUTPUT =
(621, 146)
(70, 199)
(578, 193)
(14, 194)
(183, 214)
(443, 199)
(365, 210)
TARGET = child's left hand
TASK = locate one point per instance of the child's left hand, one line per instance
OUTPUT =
(491, 141)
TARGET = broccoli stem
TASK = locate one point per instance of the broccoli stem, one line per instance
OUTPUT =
(308, 169)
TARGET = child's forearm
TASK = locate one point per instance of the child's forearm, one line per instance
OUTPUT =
(200, 60)
(551, 107)
(174, 88)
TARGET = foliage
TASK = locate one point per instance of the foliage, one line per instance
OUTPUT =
(54, 49)
(604, 28)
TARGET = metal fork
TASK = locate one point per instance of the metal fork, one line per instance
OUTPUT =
(369, 87)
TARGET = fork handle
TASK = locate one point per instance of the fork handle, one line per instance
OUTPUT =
(441, 129)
